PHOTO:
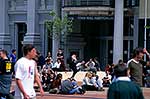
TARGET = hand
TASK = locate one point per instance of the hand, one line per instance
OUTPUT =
(42, 91)
(26, 96)
(145, 51)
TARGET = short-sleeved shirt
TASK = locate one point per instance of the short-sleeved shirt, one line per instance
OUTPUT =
(25, 70)
(5, 66)
(136, 71)
(5, 76)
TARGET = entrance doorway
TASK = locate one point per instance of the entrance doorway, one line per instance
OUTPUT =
(21, 31)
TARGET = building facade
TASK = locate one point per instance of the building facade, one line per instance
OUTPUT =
(22, 22)
(99, 28)
(108, 28)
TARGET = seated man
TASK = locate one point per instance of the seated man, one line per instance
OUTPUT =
(55, 86)
(69, 86)
(122, 87)
(107, 79)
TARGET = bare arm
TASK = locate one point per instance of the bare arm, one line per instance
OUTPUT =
(37, 80)
(146, 52)
(128, 73)
(20, 86)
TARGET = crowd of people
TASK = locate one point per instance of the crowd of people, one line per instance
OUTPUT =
(58, 64)
(131, 75)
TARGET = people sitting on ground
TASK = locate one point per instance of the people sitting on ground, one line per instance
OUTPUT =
(108, 68)
(123, 88)
(80, 65)
(60, 55)
(50, 78)
(97, 81)
(107, 79)
(47, 79)
(90, 65)
(92, 82)
(48, 65)
(43, 78)
(87, 83)
(69, 86)
(49, 56)
(56, 66)
(55, 86)
(97, 64)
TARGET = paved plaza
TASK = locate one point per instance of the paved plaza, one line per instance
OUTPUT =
(87, 95)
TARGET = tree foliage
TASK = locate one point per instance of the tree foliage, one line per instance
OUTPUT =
(147, 27)
(58, 26)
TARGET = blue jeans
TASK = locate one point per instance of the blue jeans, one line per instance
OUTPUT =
(2, 98)
(75, 90)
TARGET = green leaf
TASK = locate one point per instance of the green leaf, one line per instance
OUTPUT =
(58, 25)
(147, 27)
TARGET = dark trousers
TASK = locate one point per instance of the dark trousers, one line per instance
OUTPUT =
(74, 72)
(89, 88)
(6, 96)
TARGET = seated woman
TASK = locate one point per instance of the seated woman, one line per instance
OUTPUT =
(91, 82)
(87, 82)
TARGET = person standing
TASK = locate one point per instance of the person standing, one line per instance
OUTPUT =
(26, 73)
(41, 60)
(123, 87)
(13, 57)
(97, 64)
(72, 64)
(135, 68)
(5, 75)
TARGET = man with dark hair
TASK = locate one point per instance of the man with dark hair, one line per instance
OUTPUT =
(135, 68)
(13, 59)
(5, 75)
(26, 73)
(123, 88)
(72, 64)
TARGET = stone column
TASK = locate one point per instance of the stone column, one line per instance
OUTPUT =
(32, 36)
(3, 22)
(55, 39)
(135, 31)
(118, 31)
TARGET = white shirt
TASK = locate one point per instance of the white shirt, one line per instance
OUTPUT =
(56, 65)
(87, 81)
(25, 71)
(123, 79)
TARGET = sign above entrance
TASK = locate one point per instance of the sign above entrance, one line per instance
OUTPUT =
(90, 17)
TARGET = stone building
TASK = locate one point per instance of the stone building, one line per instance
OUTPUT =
(107, 29)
